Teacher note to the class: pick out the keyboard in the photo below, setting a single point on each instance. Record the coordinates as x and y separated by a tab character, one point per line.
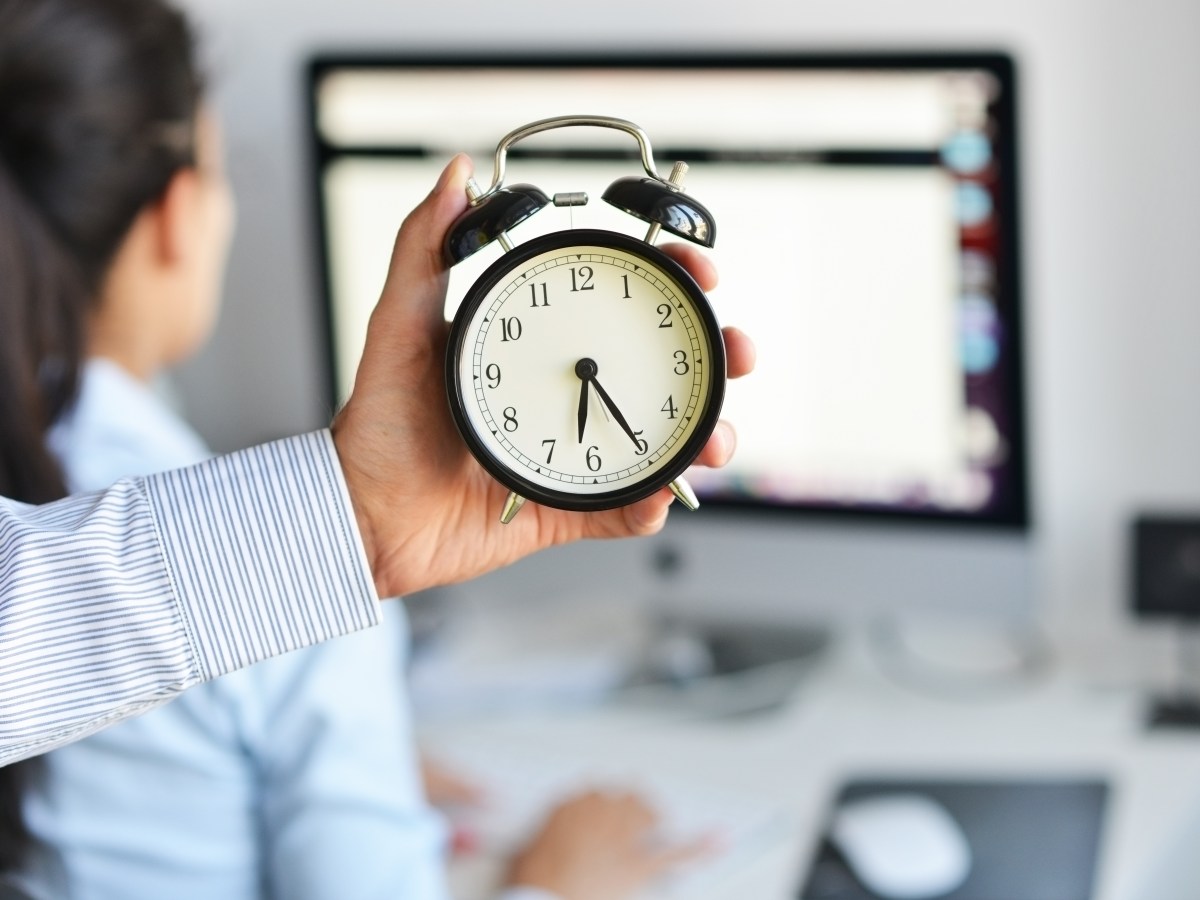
522	788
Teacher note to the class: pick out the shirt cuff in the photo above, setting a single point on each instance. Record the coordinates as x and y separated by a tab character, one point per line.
263	551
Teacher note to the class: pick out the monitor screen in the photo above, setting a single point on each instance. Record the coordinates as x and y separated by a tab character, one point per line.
866	240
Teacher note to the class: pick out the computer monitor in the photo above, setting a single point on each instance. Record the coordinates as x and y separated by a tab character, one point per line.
866	209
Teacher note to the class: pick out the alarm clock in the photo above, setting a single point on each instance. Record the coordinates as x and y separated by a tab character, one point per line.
585	368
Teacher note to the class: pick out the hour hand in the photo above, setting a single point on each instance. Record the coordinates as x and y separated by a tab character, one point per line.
586	370
583	405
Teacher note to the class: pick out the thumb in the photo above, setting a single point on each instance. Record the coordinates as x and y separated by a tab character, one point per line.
416	280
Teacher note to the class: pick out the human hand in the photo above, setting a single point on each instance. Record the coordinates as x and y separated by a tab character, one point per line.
598	846
427	511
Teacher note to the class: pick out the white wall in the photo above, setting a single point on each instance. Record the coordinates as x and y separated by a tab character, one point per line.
1111	127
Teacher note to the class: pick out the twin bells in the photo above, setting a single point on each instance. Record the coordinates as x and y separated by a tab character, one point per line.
652	198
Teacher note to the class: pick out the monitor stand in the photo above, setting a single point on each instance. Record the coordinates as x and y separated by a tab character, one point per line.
1181	708
722	668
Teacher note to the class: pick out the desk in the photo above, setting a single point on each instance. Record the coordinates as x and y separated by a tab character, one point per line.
847	719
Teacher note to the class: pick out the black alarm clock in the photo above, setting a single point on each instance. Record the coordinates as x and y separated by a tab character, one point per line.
585	368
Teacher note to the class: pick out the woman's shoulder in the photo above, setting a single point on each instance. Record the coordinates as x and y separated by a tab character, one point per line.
120	427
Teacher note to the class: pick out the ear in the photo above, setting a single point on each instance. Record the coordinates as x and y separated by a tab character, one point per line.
175	218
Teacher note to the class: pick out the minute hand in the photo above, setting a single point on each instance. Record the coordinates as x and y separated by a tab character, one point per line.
617	414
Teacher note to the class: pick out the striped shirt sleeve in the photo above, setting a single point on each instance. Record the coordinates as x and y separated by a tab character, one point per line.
113	602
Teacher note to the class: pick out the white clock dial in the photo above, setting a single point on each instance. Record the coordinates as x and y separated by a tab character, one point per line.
588	369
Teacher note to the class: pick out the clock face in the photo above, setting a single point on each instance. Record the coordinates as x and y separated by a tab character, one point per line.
585	369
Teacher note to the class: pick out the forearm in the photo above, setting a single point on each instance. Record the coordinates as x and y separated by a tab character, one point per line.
114	602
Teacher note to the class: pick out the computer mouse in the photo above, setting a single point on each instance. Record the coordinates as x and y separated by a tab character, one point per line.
901	846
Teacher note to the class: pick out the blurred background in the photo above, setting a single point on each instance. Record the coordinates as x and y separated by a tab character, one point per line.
1110	218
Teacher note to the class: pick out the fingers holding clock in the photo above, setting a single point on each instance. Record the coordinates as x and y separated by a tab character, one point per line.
698	265
740	354
739	362
719	448
739	349
414	295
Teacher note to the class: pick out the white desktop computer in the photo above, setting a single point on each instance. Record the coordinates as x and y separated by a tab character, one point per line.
867	239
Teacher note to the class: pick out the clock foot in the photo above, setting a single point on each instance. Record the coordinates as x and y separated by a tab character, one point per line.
512	506
684	494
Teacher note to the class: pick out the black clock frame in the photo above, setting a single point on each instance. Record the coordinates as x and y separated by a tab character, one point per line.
708	417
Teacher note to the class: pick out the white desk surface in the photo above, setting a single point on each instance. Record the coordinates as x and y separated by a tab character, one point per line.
846	719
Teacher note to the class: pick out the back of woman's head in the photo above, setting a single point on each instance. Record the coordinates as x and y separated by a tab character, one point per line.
98	103
97	108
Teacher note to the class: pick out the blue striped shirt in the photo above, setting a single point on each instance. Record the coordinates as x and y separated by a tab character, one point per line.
113	602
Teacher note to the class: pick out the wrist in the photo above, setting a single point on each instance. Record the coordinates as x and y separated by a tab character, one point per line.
359	492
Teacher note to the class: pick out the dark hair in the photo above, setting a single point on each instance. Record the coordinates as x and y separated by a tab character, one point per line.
98	103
